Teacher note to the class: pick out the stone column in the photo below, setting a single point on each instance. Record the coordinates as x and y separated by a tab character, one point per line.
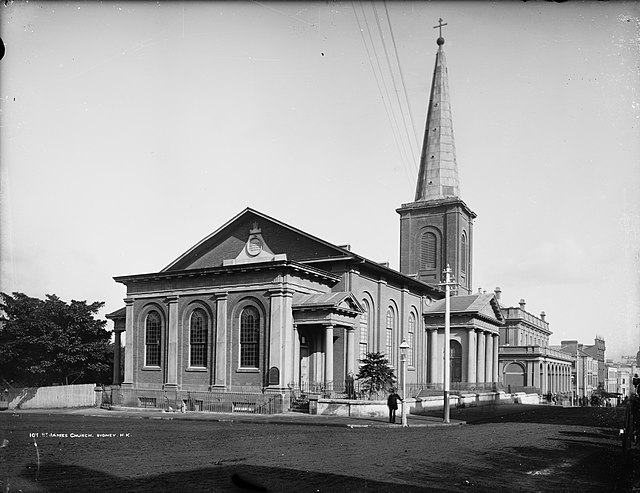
131	347
545	382
488	362
328	358
172	343
116	357
480	368
296	356
433	355
351	349
536	375
220	373
471	355
496	350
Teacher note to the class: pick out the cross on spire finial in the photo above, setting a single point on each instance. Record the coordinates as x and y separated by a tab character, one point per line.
440	40
439	26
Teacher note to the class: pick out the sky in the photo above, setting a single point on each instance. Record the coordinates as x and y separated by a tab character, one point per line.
130	131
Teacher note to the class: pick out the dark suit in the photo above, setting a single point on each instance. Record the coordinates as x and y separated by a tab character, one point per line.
392	404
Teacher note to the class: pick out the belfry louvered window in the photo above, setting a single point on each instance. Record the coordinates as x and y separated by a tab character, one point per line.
428	248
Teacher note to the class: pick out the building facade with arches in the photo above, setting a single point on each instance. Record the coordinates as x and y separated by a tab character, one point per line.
259	304
527	361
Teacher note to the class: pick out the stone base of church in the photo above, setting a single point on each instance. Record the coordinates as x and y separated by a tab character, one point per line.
172	399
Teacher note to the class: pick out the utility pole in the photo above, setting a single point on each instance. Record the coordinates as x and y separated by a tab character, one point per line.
448	282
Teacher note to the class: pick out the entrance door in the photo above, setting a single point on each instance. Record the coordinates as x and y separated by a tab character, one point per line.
304	368
514	377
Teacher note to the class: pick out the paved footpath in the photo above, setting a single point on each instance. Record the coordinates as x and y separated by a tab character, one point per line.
288	418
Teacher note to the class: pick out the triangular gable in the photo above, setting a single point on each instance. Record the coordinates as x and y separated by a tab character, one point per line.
228	242
334	300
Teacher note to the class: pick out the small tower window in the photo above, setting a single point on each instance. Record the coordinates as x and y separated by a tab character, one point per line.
464	253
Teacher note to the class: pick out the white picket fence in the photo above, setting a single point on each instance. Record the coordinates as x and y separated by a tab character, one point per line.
61	396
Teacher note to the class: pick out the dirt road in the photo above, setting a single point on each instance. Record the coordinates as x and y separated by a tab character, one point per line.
507	448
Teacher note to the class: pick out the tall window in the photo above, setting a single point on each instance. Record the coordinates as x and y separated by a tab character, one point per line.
199	329
391	321
464	253
364	330
411	339
153	334
249	338
428	249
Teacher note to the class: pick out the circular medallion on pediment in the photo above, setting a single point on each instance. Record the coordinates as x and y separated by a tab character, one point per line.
254	247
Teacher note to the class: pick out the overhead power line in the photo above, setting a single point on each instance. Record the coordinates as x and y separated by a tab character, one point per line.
381	84
393	81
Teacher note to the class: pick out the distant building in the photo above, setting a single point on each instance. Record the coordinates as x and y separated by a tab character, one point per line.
585	368
527	363
620	376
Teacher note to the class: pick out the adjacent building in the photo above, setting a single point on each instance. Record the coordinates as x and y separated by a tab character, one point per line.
527	362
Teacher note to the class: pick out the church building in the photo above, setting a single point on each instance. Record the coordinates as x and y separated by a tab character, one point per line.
260	304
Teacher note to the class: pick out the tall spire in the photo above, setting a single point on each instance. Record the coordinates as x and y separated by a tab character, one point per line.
438	175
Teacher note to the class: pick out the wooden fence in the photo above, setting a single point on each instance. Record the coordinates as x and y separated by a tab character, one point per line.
60	396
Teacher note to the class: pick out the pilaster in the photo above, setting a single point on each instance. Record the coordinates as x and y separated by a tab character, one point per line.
131	346
220	368
172	343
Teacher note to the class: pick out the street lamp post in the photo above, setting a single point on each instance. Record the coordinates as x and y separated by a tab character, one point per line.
448	282
403	364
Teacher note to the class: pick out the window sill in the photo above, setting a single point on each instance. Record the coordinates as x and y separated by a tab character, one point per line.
151	368
248	370
197	369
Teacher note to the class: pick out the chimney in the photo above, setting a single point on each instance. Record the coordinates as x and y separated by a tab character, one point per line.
522	304
498	292
542	315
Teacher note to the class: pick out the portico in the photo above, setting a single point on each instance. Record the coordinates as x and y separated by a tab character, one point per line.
475	323
324	339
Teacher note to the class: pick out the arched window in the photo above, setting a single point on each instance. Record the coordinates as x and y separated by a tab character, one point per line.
364	330
455	349
428	249
199	329
249	338
411	339
153	334
464	253
391	322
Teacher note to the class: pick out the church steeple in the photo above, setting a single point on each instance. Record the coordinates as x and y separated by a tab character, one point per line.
436	229
438	175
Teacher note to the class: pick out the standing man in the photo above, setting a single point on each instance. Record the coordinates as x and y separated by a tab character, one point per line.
392	404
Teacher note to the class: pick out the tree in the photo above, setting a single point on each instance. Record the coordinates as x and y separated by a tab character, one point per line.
375	374
45	342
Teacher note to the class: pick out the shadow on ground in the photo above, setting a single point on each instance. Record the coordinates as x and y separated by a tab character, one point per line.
599	417
232	478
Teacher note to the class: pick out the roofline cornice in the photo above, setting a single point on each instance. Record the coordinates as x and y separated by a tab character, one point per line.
224	269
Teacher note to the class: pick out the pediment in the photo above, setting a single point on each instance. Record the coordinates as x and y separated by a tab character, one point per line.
253	237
